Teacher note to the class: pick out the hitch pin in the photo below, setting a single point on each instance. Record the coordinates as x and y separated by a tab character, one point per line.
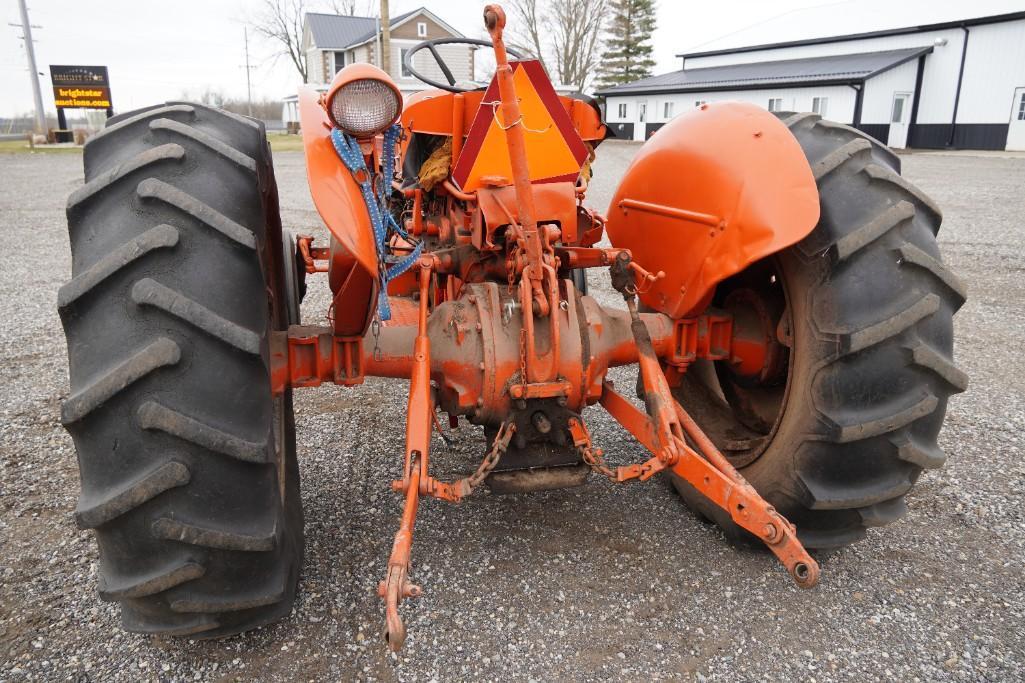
647	280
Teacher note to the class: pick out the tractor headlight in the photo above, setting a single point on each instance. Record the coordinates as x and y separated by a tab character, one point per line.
364	107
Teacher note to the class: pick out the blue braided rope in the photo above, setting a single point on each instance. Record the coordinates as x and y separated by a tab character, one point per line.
380	218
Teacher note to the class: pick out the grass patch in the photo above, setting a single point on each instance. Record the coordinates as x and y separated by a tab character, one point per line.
285	143
21	147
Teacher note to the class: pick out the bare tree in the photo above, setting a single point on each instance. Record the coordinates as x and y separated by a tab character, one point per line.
352	8
527	25
281	22
576	38
564	34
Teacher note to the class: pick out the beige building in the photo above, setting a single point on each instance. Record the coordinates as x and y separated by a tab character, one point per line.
332	41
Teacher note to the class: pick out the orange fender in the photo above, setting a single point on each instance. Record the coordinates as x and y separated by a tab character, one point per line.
353	264
713	191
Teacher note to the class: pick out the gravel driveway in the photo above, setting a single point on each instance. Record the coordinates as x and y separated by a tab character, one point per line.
594	583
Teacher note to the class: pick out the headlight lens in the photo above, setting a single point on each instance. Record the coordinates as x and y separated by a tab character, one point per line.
364	107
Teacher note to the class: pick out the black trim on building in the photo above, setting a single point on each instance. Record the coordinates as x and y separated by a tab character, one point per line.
623	131
650	129
960	81
964	136
979	21
859	99
770	85
916	100
880	131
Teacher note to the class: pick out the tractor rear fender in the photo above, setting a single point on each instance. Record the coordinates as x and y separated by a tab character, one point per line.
353	263
713	191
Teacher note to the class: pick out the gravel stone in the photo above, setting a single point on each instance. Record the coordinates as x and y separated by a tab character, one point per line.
594	583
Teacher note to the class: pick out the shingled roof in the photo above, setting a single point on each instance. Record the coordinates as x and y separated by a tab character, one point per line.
828	70
337	32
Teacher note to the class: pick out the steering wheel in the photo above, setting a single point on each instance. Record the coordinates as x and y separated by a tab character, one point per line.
431	45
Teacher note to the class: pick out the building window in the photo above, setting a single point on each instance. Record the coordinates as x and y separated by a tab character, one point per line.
1021	108
339	61
898	110
421	29
642	112
775	104
700	103
402	61
667	111
622	110
819	105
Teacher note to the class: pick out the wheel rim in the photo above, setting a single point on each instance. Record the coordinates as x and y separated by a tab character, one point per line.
744	403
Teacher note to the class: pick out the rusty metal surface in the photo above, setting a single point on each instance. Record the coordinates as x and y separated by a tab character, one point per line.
537	479
489	326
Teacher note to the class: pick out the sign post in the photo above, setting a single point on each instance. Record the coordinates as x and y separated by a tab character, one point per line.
79	87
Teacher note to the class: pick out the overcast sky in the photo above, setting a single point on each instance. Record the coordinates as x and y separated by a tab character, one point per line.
158	50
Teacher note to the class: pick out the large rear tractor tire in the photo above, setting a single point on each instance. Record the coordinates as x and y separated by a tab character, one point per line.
840	424
187	459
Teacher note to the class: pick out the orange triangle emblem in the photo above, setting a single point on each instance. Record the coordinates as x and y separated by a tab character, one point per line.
555	152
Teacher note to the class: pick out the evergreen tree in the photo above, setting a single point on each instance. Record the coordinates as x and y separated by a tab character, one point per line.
628	50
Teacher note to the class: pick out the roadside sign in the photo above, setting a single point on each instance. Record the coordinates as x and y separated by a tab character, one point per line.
80	87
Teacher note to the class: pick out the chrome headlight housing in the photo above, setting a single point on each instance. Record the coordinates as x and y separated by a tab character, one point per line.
364	107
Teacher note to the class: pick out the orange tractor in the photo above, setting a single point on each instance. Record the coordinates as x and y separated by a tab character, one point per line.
785	305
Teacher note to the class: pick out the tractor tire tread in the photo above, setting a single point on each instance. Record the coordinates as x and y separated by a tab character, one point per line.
183	532
890	327
162	579
147	292
168	316
877	367
210	142
160	237
157	354
914	256
179	625
893	211
872	230
273	593
839	157
158	417
152	188
91	514
95	187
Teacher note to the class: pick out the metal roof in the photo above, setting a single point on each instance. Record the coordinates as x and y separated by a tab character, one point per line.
857	19
811	71
337	32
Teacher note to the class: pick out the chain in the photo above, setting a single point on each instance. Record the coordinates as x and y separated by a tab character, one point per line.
595	459
490	461
375	329
523	356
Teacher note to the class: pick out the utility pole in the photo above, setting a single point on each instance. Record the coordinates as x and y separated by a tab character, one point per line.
30	52
385	38
249	84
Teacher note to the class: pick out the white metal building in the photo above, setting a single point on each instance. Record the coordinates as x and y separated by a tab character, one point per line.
957	81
